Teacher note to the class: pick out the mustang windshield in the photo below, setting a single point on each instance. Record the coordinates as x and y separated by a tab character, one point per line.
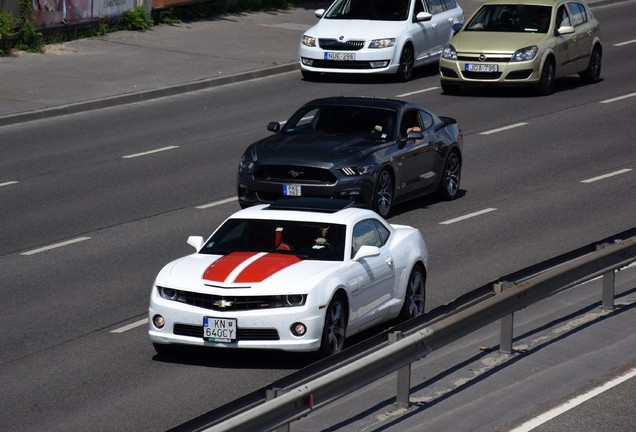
307	240
511	18
362	121
380	10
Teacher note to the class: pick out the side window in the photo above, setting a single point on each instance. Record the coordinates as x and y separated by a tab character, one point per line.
365	233
410	121
426	120
419	7
576	13
383	232
562	18
435	6
450	4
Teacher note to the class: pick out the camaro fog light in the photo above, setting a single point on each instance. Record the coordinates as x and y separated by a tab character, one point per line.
298	329
158	321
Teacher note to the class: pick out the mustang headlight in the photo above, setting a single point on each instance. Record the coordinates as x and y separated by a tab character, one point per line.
525	54
382	43
310	41
449	52
355	171
248	161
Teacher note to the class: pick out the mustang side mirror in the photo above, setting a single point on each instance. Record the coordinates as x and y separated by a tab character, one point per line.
273	126
196	242
366	251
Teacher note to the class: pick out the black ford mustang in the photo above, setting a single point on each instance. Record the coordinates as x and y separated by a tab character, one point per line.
377	152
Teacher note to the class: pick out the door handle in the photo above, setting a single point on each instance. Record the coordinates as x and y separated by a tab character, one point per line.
389	262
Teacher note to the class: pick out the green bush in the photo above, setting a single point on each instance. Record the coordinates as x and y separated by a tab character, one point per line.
136	19
29	39
7	24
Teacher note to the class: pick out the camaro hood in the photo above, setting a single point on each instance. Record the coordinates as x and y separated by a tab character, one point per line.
493	42
314	150
356	29
240	270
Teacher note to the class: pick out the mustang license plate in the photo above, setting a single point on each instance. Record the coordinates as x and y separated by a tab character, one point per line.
219	329
469	67
292	190
340	56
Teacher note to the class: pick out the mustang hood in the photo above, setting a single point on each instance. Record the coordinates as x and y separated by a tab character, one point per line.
356	29
493	42
314	150
238	269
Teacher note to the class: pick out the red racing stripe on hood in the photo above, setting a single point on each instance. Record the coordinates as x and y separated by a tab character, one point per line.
220	269
265	266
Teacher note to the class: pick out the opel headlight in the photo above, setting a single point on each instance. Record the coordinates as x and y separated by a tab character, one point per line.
310	41
382	43
525	54
449	52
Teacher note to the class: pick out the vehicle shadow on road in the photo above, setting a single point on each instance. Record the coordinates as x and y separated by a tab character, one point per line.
561	85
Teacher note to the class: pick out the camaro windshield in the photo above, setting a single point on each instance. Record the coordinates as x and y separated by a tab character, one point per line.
366	122
307	240
378	10
514	18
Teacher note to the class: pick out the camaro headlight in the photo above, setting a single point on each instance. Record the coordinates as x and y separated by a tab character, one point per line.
361	170
449	52
525	54
382	43
308	40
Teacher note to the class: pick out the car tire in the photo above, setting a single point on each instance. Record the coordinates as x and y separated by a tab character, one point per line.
546	82
407	60
383	194
451	177
592	74
335	328
310	76
451	89
415	296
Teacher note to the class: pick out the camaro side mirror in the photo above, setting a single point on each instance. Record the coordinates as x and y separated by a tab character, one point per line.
366	251
196	242
273	127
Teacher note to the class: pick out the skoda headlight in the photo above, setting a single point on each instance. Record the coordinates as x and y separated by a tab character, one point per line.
525	54
382	43
449	52
308	40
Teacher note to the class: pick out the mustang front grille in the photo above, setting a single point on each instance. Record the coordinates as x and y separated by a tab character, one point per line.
295	174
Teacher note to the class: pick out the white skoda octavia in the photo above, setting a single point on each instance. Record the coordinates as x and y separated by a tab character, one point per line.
300	274
378	36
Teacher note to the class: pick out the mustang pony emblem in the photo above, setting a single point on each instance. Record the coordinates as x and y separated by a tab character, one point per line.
295	174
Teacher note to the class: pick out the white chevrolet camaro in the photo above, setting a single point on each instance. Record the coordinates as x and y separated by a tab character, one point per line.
300	274
378	36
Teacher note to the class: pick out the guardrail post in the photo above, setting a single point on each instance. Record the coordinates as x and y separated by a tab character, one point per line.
506	323
272	393
609	284
403	396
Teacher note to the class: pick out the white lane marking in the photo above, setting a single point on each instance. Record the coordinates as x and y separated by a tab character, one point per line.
54	246
618	98
8	183
604	176
574	402
417	91
131	326
505	128
149	152
217	203
620	44
468	216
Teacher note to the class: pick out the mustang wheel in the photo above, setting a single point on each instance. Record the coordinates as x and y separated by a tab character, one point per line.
546	84
415	295
333	333
407	59
451	177
592	74
383	195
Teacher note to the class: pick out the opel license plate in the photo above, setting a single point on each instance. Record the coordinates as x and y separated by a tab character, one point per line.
219	329
292	190
469	67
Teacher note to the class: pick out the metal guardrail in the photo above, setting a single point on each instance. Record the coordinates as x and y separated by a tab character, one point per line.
283	406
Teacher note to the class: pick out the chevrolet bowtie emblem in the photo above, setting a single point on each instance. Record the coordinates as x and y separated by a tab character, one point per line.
222	303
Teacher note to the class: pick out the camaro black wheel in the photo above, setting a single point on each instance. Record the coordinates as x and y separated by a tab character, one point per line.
415	295
592	74
334	331
546	83
451	177
383	196
407	60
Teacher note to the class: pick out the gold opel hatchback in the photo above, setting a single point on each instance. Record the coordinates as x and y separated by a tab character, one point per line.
527	42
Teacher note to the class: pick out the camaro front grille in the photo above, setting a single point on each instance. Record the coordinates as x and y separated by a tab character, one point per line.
235	303
335	45
295	174
241	333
